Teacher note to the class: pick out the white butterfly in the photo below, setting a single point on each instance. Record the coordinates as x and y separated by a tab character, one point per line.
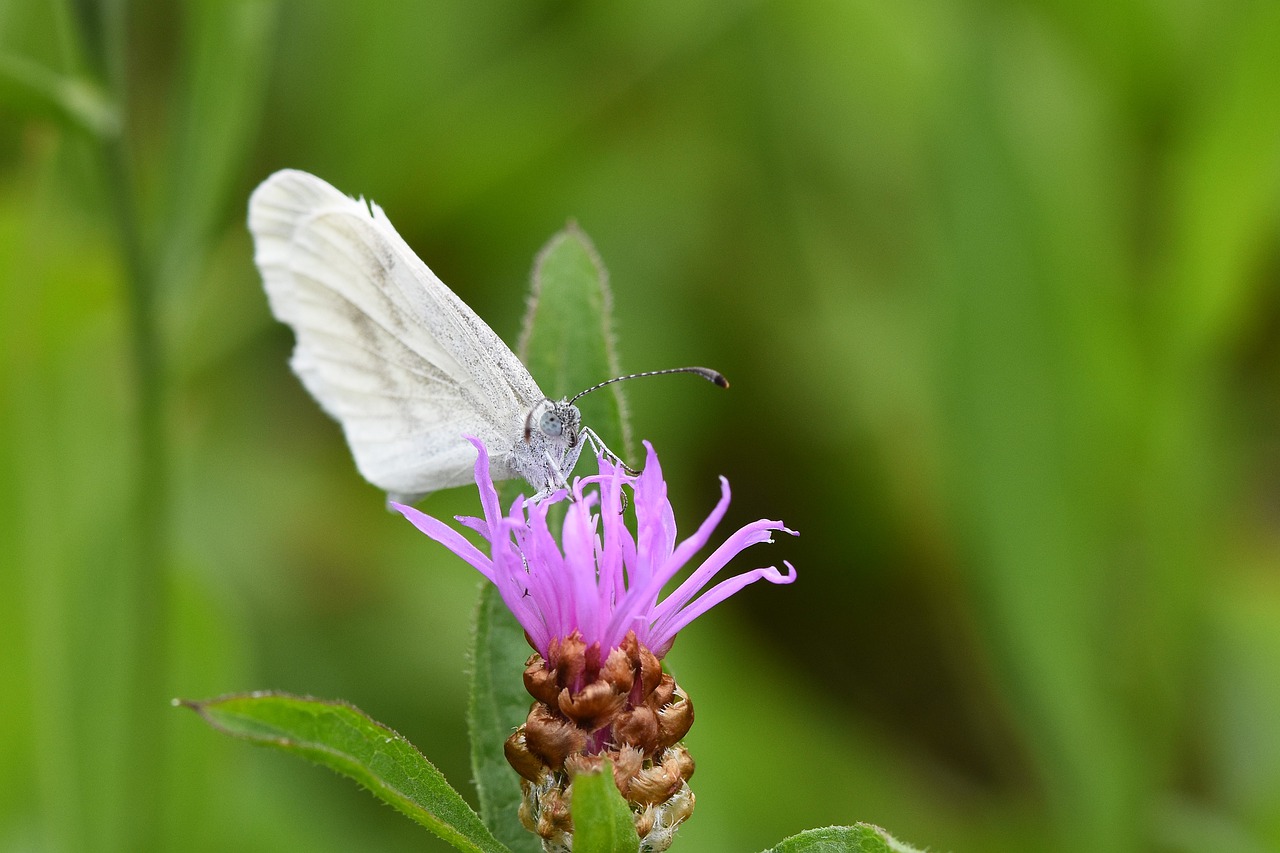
395	357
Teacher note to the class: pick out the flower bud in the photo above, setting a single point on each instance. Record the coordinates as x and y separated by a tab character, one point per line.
625	710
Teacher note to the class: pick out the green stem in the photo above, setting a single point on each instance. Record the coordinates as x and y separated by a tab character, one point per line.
102	33
149	584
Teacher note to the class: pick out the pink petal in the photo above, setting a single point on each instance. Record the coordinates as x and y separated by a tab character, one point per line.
449	538
753	534
664	633
484	482
642	594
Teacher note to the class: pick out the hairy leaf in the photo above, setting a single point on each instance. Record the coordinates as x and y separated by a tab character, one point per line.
602	821
859	838
567	341
344	739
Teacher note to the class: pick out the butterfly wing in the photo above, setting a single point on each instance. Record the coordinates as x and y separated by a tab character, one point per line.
386	348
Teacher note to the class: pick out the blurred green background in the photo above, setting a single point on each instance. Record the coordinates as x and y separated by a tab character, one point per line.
996	286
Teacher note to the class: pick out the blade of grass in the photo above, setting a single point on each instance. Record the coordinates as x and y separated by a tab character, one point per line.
76	103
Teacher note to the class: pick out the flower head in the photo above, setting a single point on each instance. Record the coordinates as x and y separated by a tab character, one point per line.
601	581
591	604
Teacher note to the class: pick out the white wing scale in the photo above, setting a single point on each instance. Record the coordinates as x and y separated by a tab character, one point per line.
385	347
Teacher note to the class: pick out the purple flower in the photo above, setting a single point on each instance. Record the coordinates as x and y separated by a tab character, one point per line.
591	606
600	580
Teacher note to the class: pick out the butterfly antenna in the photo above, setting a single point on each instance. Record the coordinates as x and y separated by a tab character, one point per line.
706	373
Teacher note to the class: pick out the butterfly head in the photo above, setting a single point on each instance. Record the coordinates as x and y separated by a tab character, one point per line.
550	446
553	424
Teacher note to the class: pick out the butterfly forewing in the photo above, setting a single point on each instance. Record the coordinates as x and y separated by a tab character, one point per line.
384	346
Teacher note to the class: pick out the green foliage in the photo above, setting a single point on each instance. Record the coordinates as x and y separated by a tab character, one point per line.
78	103
217	115
602	821
996	287
498	704
343	738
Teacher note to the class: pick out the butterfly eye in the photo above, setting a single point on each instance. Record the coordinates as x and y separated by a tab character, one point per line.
551	425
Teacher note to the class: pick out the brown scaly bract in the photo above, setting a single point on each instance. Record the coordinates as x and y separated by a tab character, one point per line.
624	709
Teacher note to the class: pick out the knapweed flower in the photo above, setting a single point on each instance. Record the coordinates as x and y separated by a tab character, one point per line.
591	606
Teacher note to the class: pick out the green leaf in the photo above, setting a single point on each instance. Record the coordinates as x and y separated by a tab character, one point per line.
499	704
567	345
859	838
567	341
602	822
344	739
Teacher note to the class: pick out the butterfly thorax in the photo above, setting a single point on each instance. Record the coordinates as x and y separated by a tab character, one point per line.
548	449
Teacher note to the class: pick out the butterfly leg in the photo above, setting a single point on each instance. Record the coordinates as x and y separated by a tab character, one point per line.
555	479
602	449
